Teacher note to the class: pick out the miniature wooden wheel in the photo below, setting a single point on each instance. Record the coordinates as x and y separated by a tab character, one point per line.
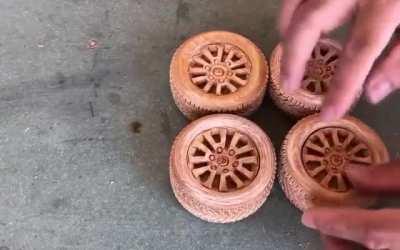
223	159
318	75
218	72
222	168
313	174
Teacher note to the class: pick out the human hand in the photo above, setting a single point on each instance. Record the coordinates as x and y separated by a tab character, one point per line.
344	228
302	22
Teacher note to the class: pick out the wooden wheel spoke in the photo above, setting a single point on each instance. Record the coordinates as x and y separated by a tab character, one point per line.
243	149
223	186
317	170
242	71
357	148
335	137
230	86
210	180
323	139
200	61
199	79
219	53
358	159
210	139
326	180
308	158
230	55
208	86
223	133
219	89
245	172
315	147
329	55
238	80
248	160
197	70
197	172
348	139
341	183
235	139
239	183
202	148
317	51
306	82
208	54
318	87
198	159
238	63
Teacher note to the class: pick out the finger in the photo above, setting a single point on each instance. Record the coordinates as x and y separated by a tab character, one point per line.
377	229
311	19
383	179
372	31
332	243
385	78
287	9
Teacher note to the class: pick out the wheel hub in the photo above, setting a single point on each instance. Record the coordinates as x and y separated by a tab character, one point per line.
220	69
326	153
223	159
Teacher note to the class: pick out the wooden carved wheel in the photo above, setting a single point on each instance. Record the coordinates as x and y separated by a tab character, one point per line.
218	72
318	75
222	168
313	174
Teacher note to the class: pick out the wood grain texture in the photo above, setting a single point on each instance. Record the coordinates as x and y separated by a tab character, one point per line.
212	205
194	101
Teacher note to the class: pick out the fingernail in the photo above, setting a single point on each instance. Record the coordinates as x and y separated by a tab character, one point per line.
308	220
379	92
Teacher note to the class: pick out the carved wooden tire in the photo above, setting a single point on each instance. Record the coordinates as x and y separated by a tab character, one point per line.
222	168
218	72
314	155
320	69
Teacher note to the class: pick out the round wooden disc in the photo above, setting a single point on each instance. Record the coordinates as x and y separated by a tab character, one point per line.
222	168
314	155
320	68
218	72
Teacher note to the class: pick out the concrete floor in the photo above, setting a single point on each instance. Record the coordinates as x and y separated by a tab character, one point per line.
85	133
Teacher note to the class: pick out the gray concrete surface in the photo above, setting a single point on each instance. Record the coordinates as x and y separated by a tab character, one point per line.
85	133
